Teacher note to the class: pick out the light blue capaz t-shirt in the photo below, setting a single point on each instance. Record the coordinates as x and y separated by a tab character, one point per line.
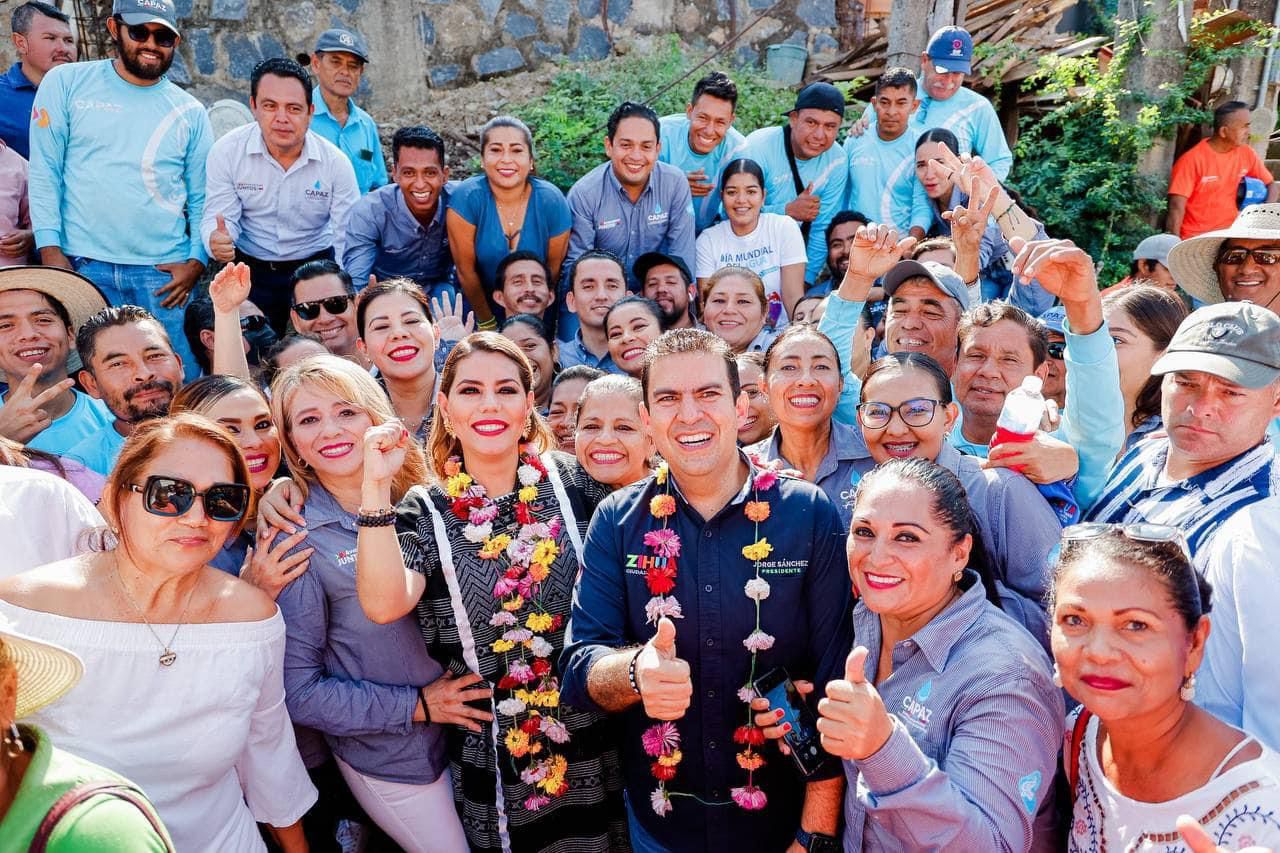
676	151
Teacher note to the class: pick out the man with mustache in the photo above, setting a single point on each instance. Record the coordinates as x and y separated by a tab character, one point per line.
130	365
42	39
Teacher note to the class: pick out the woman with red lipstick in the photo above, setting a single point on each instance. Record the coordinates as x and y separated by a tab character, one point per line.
946	717
491	551
1130	619
610	442
759	421
631	324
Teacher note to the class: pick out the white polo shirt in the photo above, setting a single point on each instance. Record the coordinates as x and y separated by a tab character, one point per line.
275	214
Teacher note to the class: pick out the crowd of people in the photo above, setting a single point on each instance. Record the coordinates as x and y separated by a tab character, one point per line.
364	509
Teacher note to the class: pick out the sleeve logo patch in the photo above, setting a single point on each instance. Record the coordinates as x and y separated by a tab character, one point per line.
1028	788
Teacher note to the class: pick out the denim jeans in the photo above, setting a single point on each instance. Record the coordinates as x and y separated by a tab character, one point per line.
129	284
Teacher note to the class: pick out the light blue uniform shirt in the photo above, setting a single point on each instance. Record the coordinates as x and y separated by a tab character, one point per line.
882	177
765	147
837	473
970	117
87	416
117	170
358	139
677	152
99	450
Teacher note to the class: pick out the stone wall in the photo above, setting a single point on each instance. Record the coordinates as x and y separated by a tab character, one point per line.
418	45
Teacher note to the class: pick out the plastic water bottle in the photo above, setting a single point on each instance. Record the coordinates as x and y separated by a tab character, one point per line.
1020	417
775	310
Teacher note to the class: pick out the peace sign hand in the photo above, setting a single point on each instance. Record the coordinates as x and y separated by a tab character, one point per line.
969	221
852	718
22	417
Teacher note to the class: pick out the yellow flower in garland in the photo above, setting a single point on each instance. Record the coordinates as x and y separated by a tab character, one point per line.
538	572
457	484
517	743
660	474
758	551
538	622
545	552
557	768
527	494
660	506
671	760
514	604
757	511
500	646
539	698
494	546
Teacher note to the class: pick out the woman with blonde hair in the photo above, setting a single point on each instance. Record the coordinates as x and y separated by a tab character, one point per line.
361	689
488	553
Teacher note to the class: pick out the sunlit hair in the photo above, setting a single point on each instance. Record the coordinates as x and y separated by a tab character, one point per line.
757	284
612	383
351	384
149	440
441	445
399	284
203	394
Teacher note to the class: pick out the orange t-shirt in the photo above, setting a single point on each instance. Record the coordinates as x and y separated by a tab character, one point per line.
1209	181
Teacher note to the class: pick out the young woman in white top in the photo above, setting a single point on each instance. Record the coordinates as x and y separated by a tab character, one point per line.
183	689
1130	618
768	244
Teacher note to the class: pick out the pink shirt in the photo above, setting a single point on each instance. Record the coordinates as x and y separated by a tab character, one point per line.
14	214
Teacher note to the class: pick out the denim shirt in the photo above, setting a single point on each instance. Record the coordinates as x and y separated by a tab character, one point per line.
977	725
806	611
838	472
347	677
385	239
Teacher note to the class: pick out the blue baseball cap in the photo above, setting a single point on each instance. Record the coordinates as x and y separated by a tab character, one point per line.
1054	318
951	48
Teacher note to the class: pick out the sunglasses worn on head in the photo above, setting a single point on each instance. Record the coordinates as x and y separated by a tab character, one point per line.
1261	257
1057	349
164	36
335	305
1139	532
172	497
253	323
914	413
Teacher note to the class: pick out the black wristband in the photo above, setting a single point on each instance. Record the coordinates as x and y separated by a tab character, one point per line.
631	671
426	709
376	518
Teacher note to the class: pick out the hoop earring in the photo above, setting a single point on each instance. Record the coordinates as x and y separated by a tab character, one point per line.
1188	689
957	576
13	745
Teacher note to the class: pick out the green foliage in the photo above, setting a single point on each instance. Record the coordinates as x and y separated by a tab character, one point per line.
568	121
1078	165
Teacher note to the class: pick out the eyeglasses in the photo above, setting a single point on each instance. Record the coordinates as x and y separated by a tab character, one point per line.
914	413
1057	349
1261	257
253	323
335	305
172	497
1138	531
164	36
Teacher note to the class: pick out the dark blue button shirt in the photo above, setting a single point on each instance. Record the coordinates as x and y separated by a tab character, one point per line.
17	94
385	239
807	611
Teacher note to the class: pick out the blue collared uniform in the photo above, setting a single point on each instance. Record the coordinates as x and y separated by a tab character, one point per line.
881	177
970	117
16	96
358	139
677	152
385	239
837	474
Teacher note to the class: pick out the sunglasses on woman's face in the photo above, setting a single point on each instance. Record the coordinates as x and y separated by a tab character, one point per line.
334	305
171	497
139	33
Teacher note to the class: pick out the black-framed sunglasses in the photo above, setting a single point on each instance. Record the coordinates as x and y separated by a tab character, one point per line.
335	305
1057	349
139	33
1261	257
172	497
916	412
1138	531
253	323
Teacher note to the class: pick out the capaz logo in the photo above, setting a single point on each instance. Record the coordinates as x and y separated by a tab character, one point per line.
913	707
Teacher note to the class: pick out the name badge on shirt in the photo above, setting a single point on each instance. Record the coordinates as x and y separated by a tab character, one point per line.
914	712
317	192
658	217
345	557
606	224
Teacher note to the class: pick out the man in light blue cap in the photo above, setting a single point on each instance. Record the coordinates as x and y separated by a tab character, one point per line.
1055	377
338	62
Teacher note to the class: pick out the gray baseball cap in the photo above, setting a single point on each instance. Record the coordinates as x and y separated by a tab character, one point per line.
1155	248
1235	341
338	40
943	278
138	12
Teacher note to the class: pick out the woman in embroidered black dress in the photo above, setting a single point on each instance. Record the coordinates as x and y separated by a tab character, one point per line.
488	552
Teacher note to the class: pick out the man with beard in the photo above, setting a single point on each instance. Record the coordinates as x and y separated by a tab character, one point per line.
522	285
118	169
42	38
666	280
840	233
130	365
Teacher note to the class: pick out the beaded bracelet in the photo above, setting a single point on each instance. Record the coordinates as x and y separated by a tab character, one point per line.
376	518
631	671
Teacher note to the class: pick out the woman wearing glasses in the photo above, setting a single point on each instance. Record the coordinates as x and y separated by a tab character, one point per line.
182	691
361	689
906	410
1130	620
802	379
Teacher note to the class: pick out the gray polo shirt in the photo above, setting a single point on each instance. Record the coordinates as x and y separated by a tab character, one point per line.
838	472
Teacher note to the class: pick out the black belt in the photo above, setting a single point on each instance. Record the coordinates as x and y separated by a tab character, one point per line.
284	266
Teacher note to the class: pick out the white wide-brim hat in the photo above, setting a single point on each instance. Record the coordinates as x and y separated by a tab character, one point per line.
45	671
1191	261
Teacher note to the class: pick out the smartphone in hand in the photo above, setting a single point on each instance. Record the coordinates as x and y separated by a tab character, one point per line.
803	739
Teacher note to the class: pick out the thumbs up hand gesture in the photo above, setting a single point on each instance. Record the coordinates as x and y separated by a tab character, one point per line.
804	207
852	718
221	247
663	679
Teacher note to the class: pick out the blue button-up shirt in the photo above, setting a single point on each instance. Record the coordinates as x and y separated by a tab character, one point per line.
17	94
806	611
838	472
358	139
574	352
355	681
977	725
385	239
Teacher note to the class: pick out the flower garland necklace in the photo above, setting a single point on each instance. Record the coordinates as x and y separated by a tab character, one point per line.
661	741
532	691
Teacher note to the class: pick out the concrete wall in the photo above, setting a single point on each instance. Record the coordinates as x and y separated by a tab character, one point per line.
418	45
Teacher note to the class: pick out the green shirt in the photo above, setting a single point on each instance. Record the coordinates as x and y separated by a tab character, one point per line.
103	824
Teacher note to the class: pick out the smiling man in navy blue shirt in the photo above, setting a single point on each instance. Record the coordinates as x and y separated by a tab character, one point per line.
692	669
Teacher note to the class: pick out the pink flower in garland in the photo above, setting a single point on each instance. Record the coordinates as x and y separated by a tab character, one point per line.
555	730
664	542
520	671
536	802
749	797
764	480
758	641
484	514
662	605
660	801
660	739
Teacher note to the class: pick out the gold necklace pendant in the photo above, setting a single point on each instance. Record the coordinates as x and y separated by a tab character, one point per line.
168	658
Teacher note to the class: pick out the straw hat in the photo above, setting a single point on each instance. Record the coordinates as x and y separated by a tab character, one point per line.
1191	261
77	294
45	671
